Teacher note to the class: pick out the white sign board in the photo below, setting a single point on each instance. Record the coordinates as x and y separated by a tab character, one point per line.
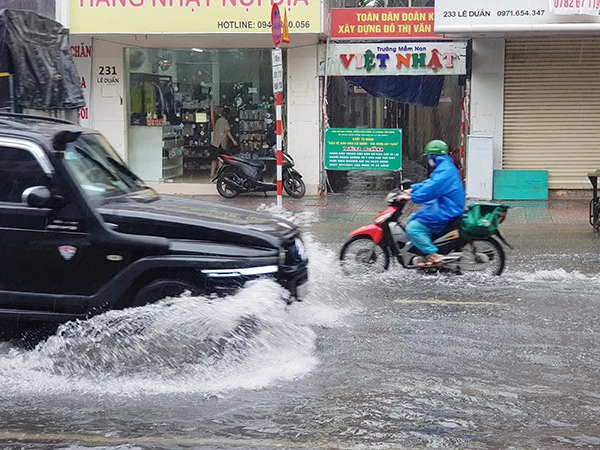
277	61
574	7
394	58
277	79
480	167
479	16
81	51
277	57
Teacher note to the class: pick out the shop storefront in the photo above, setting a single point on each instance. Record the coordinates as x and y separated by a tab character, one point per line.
415	84
161	79
173	109
534	88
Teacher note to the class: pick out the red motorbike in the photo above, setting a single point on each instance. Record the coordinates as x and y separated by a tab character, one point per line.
371	247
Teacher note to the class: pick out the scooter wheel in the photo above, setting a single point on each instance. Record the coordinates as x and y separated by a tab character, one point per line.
361	256
223	188
485	256
294	186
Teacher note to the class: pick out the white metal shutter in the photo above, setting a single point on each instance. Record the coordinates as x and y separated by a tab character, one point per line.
552	108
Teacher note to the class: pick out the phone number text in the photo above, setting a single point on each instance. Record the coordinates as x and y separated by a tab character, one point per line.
521	12
261	24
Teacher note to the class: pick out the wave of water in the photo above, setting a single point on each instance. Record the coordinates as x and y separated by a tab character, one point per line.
558	275
192	344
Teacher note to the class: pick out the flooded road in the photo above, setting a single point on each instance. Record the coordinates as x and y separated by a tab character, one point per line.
400	360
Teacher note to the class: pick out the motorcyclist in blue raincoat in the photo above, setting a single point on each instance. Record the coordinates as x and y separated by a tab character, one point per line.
443	198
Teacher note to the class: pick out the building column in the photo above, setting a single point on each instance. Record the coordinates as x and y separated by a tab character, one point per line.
302	99
487	93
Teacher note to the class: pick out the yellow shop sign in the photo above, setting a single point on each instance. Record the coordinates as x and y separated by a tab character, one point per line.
191	16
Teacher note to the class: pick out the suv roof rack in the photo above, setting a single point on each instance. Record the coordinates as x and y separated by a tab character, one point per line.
32	116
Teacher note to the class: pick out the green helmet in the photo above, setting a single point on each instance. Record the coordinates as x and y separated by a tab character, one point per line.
436	148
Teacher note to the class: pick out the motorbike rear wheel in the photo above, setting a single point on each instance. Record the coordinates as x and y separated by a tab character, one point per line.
485	256
294	185
361	256
223	188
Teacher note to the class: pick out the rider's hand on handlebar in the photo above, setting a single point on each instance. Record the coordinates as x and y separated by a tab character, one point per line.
403	196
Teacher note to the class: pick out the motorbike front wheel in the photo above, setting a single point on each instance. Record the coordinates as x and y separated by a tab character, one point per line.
361	256
223	187
294	185
485	256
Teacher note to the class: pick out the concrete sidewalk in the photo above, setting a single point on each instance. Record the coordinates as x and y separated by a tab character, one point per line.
362	208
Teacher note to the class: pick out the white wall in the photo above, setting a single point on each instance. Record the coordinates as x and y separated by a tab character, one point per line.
145	152
108	98
302	98
487	93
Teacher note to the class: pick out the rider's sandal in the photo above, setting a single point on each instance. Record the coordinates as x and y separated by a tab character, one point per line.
430	262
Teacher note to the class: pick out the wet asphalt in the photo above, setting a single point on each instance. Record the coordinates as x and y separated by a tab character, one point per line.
399	360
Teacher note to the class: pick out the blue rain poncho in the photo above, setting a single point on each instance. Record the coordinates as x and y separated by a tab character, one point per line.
442	195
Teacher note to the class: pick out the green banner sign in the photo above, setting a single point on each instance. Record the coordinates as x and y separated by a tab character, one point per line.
363	149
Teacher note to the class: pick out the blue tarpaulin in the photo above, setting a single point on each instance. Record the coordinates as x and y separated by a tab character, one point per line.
413	90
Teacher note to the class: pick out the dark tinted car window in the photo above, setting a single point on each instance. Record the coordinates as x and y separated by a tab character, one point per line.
18	171
98	168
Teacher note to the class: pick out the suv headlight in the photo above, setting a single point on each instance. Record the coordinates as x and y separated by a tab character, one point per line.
300	249
292	252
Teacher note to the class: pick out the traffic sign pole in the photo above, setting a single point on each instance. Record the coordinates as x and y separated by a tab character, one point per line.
277	63
279	126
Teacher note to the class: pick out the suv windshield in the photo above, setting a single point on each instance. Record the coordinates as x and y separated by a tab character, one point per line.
98	168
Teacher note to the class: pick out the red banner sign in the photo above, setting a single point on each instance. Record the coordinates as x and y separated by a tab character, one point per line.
382	23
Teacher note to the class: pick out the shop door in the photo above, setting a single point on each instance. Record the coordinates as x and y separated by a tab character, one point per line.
552	108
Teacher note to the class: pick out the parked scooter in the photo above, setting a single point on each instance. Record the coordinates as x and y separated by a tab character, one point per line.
469	243
241	175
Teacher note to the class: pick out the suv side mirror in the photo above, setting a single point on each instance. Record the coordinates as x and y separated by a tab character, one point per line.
38	197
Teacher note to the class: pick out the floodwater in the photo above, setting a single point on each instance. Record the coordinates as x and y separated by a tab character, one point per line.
399	360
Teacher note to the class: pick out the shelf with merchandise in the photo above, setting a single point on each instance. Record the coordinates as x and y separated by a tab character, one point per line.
195	152
254	126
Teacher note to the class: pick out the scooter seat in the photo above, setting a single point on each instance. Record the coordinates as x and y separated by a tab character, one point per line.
452	225
251	162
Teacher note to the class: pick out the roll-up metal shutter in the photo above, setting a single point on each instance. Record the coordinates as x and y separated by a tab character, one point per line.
552	108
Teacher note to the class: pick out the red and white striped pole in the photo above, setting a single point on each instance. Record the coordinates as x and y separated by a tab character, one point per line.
278	101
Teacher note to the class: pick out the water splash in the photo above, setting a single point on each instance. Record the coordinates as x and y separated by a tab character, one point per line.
328	303
555	275
303	218
193	344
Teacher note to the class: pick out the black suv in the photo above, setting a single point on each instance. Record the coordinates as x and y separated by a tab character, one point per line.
80	233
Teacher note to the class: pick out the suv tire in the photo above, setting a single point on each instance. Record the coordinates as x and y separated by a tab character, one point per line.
161	289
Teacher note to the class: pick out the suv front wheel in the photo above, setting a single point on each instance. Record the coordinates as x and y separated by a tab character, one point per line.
161	289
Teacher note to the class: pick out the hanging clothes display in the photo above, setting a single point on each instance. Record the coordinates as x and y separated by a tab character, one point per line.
143	99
